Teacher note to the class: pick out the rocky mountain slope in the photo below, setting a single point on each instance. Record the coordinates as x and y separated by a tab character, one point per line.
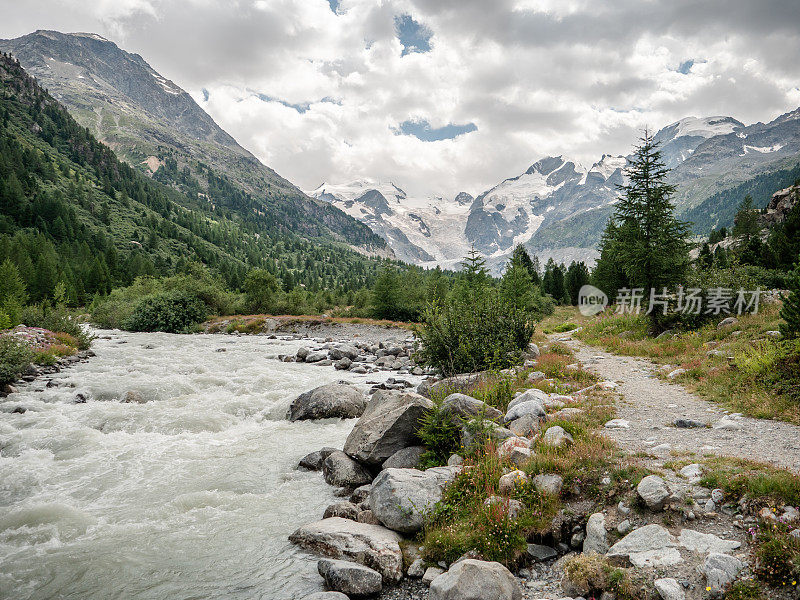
559	208
155	126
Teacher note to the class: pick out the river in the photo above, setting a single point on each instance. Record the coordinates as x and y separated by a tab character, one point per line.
190	495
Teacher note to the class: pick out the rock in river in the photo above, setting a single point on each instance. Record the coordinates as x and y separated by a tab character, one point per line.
342	471
333	400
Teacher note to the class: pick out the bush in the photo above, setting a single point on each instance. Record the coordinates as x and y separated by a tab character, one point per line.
440	436
174	312
14	357
745	590
757	359
476	334
57	320
5	320
777	555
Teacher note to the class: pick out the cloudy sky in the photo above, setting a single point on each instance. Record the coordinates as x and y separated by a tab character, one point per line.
447	95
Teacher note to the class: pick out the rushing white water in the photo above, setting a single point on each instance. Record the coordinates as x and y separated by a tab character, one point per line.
191	495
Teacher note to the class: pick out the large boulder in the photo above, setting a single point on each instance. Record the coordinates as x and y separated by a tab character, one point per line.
313	461
326	596
333	400
720	570
596	541
357	581
556	436
653	492
400	498
389	423
528	395
370	545
531	407
343	351
406	458
471	579
342	471
648	546
464	408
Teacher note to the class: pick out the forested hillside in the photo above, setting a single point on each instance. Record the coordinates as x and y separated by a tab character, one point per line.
75	218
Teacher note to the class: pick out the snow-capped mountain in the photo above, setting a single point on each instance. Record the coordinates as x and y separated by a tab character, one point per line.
427	231
558	207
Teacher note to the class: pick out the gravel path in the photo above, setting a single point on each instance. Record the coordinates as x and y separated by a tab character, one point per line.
652	405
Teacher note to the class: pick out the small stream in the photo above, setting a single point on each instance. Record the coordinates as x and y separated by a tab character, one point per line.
190	495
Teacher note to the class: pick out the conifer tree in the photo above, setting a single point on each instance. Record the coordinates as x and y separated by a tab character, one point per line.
647	242
790	311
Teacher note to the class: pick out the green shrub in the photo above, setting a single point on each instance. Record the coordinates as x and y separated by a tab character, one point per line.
745	590
757	359
14	357
777	555
564	327
5	320
440	435
57	320
475	334
173	312
495	390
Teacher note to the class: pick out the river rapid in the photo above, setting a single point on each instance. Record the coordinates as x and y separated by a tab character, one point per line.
190	495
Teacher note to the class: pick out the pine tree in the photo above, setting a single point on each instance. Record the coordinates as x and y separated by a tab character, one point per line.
790	311
473	268
647	241
705	259
521	258
746	220
577	276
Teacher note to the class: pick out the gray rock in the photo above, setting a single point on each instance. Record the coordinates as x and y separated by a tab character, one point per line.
704	543
316	356
416	569
510	481
648	546
476	580
388	424
513	508
450	385
133	397
370	545
405	458
464	407
346	510
525	426
693	472
617	424
357	581
333	400
344	351
534	394
342	471
367	516
530	407
302	353
360	494
549	484
669	589
533	350
720	571
455	460
430	574
596	541
313	461
653	491
326	596
556	436
727	321
688	424
540	553
343	364
470	436
624	527
400	498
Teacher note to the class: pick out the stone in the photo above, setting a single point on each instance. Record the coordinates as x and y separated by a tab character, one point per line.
717	495
346	510
704	543
548	484
727	423
313	461
316	356
388	424
622	509
693	473
596	541
617	424
405	458
669	589
455	460
727	321
720	571
367	516
541	553
370	545
430	574
341	351
352	579
532	394
133	397
417	569
510	481
301	354
505	449
653	492
343	364
624	527
556	436
535	376
471	579
566	414
790	514
648	546
450	385
463	408
333	400
513	508
400	498
471	435
525	426
533	350
326	596
531	407
360	494
676	373
688	424
342	471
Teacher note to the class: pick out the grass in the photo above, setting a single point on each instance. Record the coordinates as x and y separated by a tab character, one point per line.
592	574
735	365
758	481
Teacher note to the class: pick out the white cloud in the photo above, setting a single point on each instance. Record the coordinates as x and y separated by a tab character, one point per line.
536	77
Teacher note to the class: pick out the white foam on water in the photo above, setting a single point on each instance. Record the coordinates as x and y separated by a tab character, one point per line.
190	495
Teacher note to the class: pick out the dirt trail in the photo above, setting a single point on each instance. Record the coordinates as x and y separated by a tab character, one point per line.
652	405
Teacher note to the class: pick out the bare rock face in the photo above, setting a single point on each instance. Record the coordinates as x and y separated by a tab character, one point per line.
648	546
370	545
334	400
389	424
400	498
471	579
